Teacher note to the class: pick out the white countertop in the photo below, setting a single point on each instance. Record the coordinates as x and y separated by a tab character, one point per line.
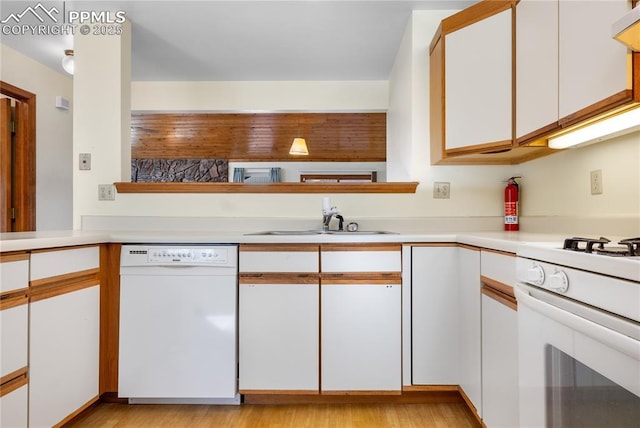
532	245
21	241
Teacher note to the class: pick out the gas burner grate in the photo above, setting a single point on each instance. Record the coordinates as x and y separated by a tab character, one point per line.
633	245
628	247
576	244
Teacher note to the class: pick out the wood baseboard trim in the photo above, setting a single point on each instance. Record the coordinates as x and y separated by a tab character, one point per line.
471	407
405	397
78	414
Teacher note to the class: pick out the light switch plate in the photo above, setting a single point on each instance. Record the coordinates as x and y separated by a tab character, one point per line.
106	192
441	190
596	182
84	161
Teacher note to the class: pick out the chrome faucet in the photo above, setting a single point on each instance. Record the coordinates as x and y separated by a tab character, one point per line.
327	215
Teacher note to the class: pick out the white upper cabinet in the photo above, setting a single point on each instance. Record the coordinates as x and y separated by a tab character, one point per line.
593	66
536	65
478	77
568	67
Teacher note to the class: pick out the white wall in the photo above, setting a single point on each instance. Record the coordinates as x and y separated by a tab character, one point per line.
476	191
559	185
54	143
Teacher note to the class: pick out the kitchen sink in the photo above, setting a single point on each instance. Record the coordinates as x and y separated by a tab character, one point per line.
321	232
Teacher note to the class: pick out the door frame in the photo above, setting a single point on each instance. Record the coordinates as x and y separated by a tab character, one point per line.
25	159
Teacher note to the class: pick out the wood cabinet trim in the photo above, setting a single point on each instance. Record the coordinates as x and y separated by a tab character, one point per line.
109	316
361	247
46	288
279	391
436	244
498	286
14	298
485	148
468	247
14	257
362	278
278	278
359	392
284	187
503	253
311	248
13	381
475	13
500	297
74	247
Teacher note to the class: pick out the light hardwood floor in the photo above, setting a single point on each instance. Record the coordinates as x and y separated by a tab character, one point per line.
443	415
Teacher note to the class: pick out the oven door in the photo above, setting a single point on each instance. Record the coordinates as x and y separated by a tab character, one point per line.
579	367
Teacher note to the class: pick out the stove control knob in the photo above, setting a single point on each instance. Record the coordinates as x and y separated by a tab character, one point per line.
535	274
558	281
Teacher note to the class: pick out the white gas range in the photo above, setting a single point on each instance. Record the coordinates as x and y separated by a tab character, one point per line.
579	333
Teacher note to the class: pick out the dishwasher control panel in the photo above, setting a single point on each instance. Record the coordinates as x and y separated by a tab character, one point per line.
182	255
160	255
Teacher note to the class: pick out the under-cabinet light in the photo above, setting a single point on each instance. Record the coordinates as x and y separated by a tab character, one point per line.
614	126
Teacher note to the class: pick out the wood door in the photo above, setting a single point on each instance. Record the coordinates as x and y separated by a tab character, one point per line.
23	158
6	165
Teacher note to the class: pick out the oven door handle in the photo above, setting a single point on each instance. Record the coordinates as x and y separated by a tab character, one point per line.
598	325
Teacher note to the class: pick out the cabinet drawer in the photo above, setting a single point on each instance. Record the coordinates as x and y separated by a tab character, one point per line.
500	267
279	258
53	263
14	272
365	258
13	341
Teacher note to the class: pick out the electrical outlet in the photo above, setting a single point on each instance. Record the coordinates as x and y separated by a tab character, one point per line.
106	192
441	190
84	161
596	182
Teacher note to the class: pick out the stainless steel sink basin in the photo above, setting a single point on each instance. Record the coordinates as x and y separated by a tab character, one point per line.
322	232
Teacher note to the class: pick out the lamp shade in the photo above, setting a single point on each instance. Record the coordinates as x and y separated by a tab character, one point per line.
68	62
299	147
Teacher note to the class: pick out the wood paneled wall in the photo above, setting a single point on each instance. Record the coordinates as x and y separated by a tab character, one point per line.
331	137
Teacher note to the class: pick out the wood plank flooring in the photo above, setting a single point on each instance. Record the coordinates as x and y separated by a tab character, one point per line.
441	415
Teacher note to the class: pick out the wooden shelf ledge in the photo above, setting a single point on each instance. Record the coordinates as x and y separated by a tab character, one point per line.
395	187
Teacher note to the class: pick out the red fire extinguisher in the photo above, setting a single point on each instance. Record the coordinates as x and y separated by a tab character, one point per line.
511	205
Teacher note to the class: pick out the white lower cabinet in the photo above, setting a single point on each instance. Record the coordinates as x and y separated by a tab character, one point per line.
361	337
64	334
470	346
64	355
279	336
435	314
499	364
14	334
13	408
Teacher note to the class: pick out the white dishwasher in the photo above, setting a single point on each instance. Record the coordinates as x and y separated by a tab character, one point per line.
178	324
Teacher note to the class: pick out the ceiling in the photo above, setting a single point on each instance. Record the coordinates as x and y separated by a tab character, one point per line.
245	40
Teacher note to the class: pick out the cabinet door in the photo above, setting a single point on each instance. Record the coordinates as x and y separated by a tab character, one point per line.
13	408
536	65
593	66
470	370
499	364
64	353
435	316
361	337
478	76
14	324
279	336
64	333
